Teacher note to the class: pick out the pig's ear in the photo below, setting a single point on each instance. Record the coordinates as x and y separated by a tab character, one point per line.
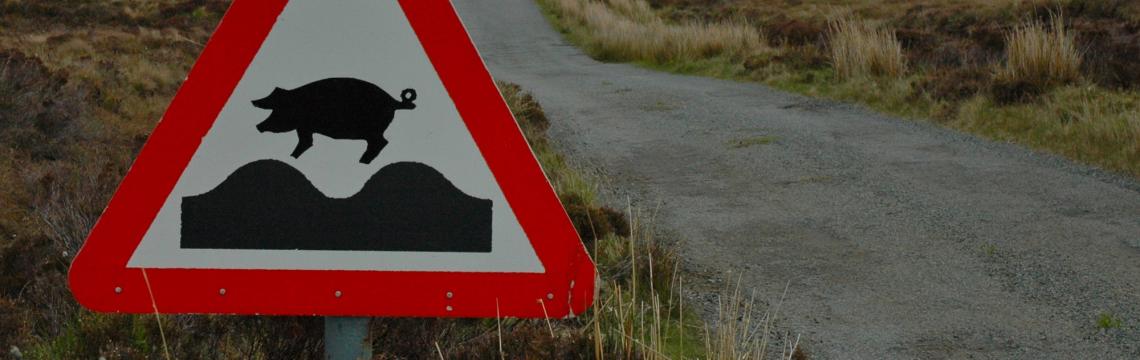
274	98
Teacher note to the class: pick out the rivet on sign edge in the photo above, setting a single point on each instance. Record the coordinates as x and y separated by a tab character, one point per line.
118	290
549	296
337	293
222	291
450	295
449	308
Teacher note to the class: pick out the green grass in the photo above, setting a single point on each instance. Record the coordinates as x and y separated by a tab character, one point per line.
752	141
1108	321
990	249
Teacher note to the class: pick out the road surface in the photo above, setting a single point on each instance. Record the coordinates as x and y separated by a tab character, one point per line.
897	239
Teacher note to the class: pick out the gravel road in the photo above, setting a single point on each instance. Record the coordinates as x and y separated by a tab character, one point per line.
896	239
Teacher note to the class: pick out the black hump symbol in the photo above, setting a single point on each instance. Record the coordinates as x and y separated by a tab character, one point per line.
340	108
269	205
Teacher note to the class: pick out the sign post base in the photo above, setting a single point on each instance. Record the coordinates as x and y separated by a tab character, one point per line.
346	338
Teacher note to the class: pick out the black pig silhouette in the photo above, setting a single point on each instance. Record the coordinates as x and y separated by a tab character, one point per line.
340	108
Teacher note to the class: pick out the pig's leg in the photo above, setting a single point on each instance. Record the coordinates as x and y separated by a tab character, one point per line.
373	150
304	142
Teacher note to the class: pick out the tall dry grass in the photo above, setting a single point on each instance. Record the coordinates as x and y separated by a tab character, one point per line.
860	49
1042	54
642	312
629	30
737	334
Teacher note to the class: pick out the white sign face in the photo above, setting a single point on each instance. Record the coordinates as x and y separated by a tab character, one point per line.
334	206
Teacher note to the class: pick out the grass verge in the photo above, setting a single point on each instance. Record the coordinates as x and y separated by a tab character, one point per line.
971	67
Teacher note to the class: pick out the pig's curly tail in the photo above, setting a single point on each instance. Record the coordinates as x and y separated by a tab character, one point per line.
408	95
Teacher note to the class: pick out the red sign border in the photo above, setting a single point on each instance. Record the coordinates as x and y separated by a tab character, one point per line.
101	281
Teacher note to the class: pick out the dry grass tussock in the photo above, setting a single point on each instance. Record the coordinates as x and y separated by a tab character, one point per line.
642	312
1039	55
739	335
859	48
629	30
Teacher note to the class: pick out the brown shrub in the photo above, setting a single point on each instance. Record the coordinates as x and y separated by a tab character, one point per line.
800	353
67	199
1107	9
528	113
797	32
954	84
916	40
529	340
18	263
188	12
1116	52
617	220
11	323
246	337
40	111
1006	90
990	37
476	339
122	12
757	62
594	222
45	295
803	57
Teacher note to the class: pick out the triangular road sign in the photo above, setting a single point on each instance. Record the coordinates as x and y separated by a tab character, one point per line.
336	158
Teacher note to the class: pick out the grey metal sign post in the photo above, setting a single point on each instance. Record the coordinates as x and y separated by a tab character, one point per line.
346	338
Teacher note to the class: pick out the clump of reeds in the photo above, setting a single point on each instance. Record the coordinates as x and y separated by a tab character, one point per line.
1039	56
860	49
629	30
